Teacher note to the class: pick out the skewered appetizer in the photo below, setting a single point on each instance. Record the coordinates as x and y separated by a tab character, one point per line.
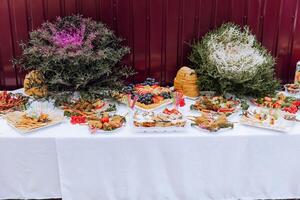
211	122
218	104
280	101
86	108
149	94
167	118
11	102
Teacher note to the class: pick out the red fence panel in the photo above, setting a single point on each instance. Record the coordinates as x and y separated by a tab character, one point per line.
157	31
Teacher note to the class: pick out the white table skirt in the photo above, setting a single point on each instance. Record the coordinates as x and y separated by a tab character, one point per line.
67	161
28	165
236	165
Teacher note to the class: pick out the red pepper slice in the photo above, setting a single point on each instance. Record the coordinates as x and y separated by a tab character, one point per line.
78	119
226	110
296	103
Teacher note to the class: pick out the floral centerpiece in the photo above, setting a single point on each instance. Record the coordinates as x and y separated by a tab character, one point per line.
76	54
231	60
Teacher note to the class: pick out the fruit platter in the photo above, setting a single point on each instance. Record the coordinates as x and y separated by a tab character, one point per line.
12	102
280	101
148	95
167	120
82	107
104	122
267	118
25	122
211	122
215	104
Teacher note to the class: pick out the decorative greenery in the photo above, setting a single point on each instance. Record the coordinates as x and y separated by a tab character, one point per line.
231	60
76	54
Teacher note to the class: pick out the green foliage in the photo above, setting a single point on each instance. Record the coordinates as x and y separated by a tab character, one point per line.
76	54
231	60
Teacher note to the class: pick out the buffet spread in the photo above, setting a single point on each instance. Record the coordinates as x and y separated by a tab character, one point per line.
153	108
78	83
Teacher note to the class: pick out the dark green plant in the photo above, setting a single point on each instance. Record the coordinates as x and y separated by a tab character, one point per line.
231	60
76	54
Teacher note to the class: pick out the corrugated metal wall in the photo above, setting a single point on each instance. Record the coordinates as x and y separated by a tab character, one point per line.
158	31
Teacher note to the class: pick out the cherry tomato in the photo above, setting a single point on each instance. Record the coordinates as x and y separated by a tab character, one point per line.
104	119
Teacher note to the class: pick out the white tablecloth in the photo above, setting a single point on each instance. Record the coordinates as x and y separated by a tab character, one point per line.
67	161
244	163
28	165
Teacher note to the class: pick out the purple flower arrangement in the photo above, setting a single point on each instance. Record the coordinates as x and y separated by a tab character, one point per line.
76	54
69	37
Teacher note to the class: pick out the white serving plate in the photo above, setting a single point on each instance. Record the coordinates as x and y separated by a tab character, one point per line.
282	126
57	120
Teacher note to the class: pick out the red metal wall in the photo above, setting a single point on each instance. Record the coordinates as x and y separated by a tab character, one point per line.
158	31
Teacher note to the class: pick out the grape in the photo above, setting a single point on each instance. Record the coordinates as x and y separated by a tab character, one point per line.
145	98
166	95
149	81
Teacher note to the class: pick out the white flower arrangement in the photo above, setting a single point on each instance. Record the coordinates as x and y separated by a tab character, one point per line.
230	59
234	56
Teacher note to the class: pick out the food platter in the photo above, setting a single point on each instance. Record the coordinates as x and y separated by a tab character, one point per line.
211	122
146	96
87	108
280	101
25	123
12	101
216	104
169	120
100	123
267	119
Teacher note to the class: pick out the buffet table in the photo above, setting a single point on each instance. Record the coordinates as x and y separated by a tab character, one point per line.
67	161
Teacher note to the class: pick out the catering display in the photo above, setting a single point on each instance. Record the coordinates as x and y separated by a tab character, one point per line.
211	121
267	118
25	122
75	63
280	101
167	120
186	82
11	102
218	104
149	95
